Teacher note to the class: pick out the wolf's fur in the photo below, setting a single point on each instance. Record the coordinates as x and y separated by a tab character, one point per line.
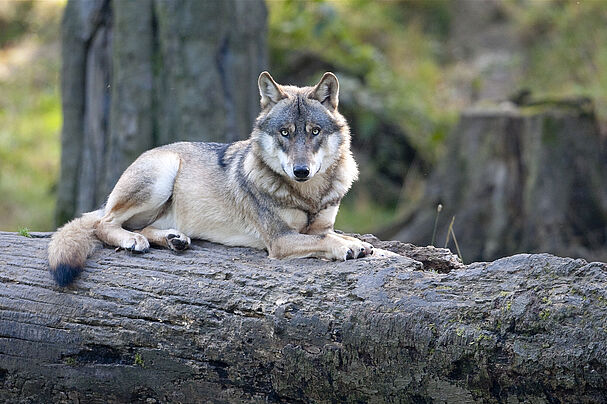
279	190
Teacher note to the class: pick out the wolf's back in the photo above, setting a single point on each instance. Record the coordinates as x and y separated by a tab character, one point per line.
70	246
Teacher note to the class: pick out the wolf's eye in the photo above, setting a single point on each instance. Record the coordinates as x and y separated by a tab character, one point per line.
315	131
284	132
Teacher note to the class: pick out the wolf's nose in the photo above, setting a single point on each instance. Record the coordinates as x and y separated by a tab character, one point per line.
301	172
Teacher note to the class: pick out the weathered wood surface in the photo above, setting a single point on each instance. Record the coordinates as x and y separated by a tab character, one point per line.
223	324
142	73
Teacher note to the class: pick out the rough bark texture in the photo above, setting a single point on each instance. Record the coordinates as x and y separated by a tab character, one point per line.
518	179
142	73
230	325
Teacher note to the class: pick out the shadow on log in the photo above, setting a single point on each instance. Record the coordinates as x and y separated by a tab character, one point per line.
230	325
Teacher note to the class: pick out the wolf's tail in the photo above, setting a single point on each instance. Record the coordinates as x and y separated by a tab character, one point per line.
70	246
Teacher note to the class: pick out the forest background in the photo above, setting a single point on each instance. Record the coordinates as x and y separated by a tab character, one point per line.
407	70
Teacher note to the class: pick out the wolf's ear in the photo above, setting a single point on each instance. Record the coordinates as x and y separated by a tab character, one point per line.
269	90
327	91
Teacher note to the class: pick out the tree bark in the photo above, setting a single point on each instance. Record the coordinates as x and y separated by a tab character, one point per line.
142	73
224	324
518	179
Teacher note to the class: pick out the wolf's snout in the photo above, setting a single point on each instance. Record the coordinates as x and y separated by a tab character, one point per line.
301	172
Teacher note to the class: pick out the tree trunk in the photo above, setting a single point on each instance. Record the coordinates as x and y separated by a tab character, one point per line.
227	324
142	73
528	179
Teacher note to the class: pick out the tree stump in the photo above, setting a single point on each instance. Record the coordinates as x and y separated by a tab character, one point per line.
220	324
518	179
141	73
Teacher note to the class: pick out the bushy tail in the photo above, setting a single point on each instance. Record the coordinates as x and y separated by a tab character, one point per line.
70	246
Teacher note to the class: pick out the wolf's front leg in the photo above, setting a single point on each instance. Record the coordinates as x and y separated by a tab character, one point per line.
329	246
323	226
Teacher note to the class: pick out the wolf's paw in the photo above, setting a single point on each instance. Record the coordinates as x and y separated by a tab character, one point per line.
350	248
177	241
136	244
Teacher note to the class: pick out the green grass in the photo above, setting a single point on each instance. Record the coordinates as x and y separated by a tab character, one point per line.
24	231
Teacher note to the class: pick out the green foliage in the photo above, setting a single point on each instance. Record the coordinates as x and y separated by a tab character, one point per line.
30	121
395	67
24	231
390	57
564	41
14	20
395	49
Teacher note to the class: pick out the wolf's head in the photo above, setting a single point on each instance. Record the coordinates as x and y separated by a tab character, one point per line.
299	131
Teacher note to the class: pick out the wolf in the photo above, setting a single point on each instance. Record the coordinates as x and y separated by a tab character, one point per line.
279	190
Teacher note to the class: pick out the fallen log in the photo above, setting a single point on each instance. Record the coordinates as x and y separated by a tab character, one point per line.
226	324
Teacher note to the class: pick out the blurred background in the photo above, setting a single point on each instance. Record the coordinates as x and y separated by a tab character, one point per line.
493	110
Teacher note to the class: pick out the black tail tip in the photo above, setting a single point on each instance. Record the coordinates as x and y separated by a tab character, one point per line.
64	274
